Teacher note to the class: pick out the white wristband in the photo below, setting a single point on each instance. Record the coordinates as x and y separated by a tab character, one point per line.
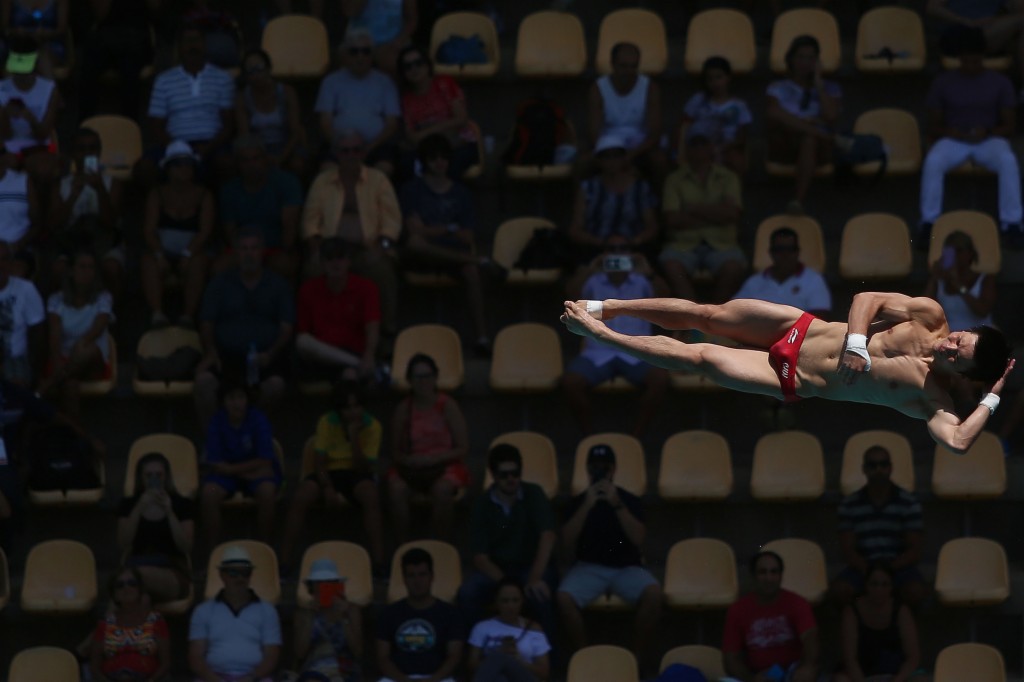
991	401
595	308
858	343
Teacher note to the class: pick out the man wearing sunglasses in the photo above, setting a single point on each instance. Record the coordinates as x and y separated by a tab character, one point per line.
787	280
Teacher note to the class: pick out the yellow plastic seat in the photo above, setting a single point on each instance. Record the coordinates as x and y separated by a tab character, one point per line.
860	257
104	386
807	21
447	570
60	578
972	572
700	573
179	451
438	341
707	659
266	581
808	230
353	563
982	230
902	137
980	474
238	499
894	28
696	466
970	661
549	173
540	460
82	497
630	466
48	663
721	32
603	662
788	466
550	44
297	45
466	24
805	571
160	343
993	63
510	239
527	358
5	580
643	28
121	138
788	170
852	477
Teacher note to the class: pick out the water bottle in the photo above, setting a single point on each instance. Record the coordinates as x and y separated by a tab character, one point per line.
252	366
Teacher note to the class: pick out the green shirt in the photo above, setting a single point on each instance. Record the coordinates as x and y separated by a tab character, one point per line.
510	537
683	188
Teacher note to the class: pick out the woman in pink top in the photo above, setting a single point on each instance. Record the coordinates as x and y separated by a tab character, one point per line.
430	443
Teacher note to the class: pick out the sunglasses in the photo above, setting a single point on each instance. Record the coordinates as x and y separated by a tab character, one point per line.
413	63
877	465
364	51
237	572
128	582
508	473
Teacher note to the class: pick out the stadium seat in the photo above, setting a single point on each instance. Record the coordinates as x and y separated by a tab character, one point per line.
972	572
178	450
707	659
807	21
721	33
787	170
297	45
48	663
805	571
696	466
447	570
60	579
353	563
160	343
105	385
643	28
80	497
603	662
466	25
540	461
121	138
982	230
852	477
630	466
700	573
969	661
550	44
896	29
901	135
438	341
980	474
266	581
510	239
527	358
240	500
993	63
788	467
860	258
812	242
5	580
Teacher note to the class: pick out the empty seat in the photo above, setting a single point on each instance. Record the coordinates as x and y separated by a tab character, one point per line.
804	571
788	466
121	138
696	466
297	45
797	22
510	239
447	570
890	40
48	663
540	461
266	580
859	256
980	474
603	662
180	453
60	578
106	383
527	358
550	44
643	28
812	242
707	659
982	230
969	661
353	563
972	572
700	573
852	477
721	33
162	343
438	341
466	25
901	135
630	467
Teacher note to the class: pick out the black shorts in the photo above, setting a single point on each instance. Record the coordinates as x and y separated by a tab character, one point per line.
345	481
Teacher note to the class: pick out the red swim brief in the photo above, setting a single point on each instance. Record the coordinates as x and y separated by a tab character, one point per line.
784	355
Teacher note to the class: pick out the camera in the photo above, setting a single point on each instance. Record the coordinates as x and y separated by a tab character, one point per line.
618	264
91	164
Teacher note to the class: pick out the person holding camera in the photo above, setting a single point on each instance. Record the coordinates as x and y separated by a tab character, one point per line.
606	530
328	635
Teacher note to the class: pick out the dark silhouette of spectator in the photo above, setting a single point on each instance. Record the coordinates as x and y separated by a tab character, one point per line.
132	640
120	39
967	297
29	105
22	334
269	109
718	115
787	280
328	638
509	646
390	23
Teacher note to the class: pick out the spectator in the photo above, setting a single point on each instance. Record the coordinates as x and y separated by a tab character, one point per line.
972	113
155	529
623	274
702	207
22	335
236	635
770	633
430	443
269	109
787	280
329	636
627	106
879	636
346	450
221	32
177	225
967	297
509	647
391	24
718	115
132	641
28	117
359	98
19	215
512	537
1001	23
605	531
881	522
419	636
239	457
44	21
265	197
802	114
245	325
120	39
357	204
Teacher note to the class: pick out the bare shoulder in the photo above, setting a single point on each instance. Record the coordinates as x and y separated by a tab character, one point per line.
927	311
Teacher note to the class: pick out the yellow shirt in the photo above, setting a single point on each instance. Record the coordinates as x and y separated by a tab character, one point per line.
683	187
379	213
331	440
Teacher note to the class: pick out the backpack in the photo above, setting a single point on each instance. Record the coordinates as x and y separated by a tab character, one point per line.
461	50
60	459
547	248
540	128
854	149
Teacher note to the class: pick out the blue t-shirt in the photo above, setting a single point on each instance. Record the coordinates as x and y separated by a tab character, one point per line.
454	206
360	104
263	208
231	445
243	316
419	638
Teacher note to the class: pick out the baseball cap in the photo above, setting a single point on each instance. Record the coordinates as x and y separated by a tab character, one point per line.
323	569
179	149
606	142
235	556
601	453
22	62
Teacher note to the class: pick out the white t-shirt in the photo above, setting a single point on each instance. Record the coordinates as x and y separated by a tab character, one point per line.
718	121
14	218
37	101
805	290
791	95
75	322
598	287
488	635
21	307
88	202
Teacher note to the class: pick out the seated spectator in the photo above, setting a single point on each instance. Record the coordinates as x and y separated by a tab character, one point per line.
391	24
246	324
879	636
346	451
329	636
220	31
1001	23
269	109
627	105
718	115
430	443
770	633
419	636
605	531
967	297
19	216
623	274
155	529
509	646
265	197
44	21
22	335
132	641
881	522
359	98
802	114
434	105
120	39
236	635
702	205
79	319
176	228
972	113
512	538
29	105
616	201
239	457
787	280
439	226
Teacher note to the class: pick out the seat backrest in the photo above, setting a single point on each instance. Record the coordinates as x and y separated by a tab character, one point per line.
970	661
353	562
550	43
441	343
643	28
707	659
721	32
695	465
603	662
48	663
526	356
808	230
266	581
972	571
894	28
978	474
982	230
860	257
805	571
178	450
899	131
806	21
297	45
901	454
159	343
630	467
447	570
540	460
701	567
788	465
60	577
121	138
512	237
465	25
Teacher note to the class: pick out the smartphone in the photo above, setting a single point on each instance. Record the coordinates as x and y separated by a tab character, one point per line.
618	264
327	592
91	164
948	257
